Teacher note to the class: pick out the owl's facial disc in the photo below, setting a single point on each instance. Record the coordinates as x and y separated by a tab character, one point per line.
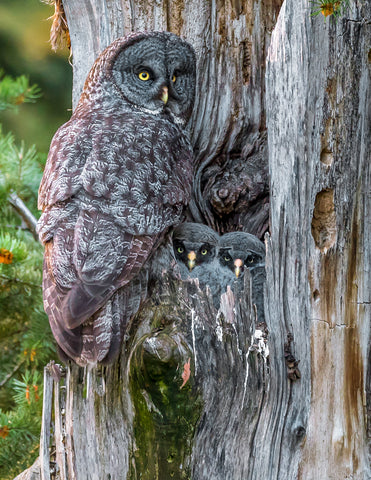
157	74
237	260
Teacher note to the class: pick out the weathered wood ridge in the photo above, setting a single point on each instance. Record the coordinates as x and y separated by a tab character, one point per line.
247	411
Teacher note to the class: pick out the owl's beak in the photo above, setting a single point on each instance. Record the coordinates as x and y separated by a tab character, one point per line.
165	95
191	260
238	264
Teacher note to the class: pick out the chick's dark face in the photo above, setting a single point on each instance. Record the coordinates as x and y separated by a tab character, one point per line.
193	254
236	261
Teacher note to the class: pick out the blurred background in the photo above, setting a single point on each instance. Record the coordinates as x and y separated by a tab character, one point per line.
25	50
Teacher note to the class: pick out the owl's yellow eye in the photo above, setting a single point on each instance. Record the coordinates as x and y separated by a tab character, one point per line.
227	259
180	250
144	76
203	251
173	78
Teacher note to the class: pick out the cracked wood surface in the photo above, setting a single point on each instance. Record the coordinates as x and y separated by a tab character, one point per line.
303	413
318	118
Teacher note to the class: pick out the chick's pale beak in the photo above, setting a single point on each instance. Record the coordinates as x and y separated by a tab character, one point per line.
238	263
165	95
191	260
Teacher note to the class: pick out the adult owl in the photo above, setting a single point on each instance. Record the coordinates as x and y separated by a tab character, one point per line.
238	251
196	252
118	175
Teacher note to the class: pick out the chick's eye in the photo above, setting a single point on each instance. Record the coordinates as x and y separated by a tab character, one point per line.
227	258
144	76
203	251
173	78
180	250
250	259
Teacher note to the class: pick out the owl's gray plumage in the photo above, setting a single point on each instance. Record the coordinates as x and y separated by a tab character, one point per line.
118	175
238	251
195	249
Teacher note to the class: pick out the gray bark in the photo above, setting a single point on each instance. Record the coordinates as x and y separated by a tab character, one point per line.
249	410
318	118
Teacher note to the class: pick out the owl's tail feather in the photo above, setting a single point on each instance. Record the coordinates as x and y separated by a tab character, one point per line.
83	301
68	340
125	304
103	333
110	348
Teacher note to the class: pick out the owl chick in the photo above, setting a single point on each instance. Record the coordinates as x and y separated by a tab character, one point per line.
195	249
118	175
238	251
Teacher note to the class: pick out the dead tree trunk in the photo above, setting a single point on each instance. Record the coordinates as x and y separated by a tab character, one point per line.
246	411
318	111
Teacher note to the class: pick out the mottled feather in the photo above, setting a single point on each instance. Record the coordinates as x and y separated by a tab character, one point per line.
118	175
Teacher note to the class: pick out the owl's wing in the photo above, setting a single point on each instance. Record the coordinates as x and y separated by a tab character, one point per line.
69	149
97	293
106	258
88	317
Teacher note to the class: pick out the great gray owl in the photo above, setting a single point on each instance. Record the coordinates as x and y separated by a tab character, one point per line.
118	175
238	251
195	249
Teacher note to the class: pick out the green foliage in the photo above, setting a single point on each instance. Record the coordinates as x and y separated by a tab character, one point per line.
26	343
14	92
20	170
328	8
20	427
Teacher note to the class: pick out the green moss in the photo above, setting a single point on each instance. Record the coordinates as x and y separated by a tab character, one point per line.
165	413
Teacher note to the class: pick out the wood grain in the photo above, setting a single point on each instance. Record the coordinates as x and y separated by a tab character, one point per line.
288	138
317	79
46	425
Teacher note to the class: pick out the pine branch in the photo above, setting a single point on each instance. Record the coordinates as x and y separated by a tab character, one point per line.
18	280
10	374
22	210
15	91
